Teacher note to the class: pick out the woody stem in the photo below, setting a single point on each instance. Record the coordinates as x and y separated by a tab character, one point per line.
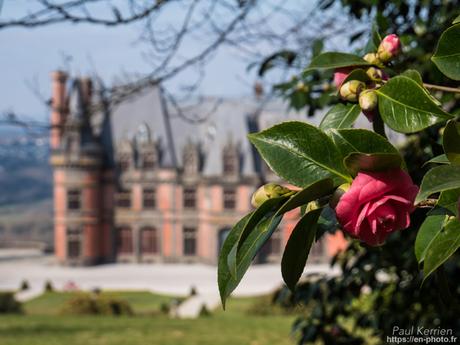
442	88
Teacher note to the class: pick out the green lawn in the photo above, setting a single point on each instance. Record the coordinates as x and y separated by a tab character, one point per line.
42	325
142	302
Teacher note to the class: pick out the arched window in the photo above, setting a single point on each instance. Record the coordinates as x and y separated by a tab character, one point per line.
125	240
149	240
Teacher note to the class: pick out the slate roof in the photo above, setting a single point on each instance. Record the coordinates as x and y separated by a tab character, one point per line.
224	121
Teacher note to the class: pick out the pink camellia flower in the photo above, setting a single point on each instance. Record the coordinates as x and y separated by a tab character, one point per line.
377	204
340	74
389	48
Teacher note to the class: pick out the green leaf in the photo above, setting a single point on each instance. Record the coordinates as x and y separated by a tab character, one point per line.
225	280
456	20
414	75
314	191
360	140
356	162
451	142
332	60
448	201
300	153
327	222
317	47
375	35
406	107
441	159
447	55
428	230
443	245
439	179
340	116
266	209
298	247
255	241
357	74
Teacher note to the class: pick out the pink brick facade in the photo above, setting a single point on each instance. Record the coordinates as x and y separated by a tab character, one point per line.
144	212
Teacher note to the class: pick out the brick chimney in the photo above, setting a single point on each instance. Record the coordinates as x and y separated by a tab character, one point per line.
58	106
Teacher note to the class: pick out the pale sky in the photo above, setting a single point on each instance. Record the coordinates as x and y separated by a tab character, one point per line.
31	54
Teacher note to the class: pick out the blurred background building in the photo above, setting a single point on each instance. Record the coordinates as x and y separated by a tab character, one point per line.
137	183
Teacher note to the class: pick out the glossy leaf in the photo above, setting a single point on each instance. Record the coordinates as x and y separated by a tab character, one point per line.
298	247
442	246
448	201
327	222
266	209
340	116
428	230
456	20
356	162
300	153
252	245
357	74
332	60
314	191
225	280
451	142
447	54
441	159
439	179
415	76
360	140
405	106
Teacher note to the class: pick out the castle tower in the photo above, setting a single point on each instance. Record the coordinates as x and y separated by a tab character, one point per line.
76	157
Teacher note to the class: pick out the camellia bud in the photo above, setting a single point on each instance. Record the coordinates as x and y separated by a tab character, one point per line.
268	191
389	48
368	103
341	190
340	74
376	74
372	58
368	100
351	90
301	87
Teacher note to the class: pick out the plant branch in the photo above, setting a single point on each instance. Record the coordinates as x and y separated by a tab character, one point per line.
428	203
442	88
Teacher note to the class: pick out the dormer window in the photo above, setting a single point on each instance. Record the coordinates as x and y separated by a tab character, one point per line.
191	158
125	155
230	159
148	160
229	166
124	162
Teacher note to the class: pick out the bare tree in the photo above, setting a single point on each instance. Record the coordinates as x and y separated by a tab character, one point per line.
185	35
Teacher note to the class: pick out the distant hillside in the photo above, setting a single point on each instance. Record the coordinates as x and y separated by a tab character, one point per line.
25	188
25	174
27	222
